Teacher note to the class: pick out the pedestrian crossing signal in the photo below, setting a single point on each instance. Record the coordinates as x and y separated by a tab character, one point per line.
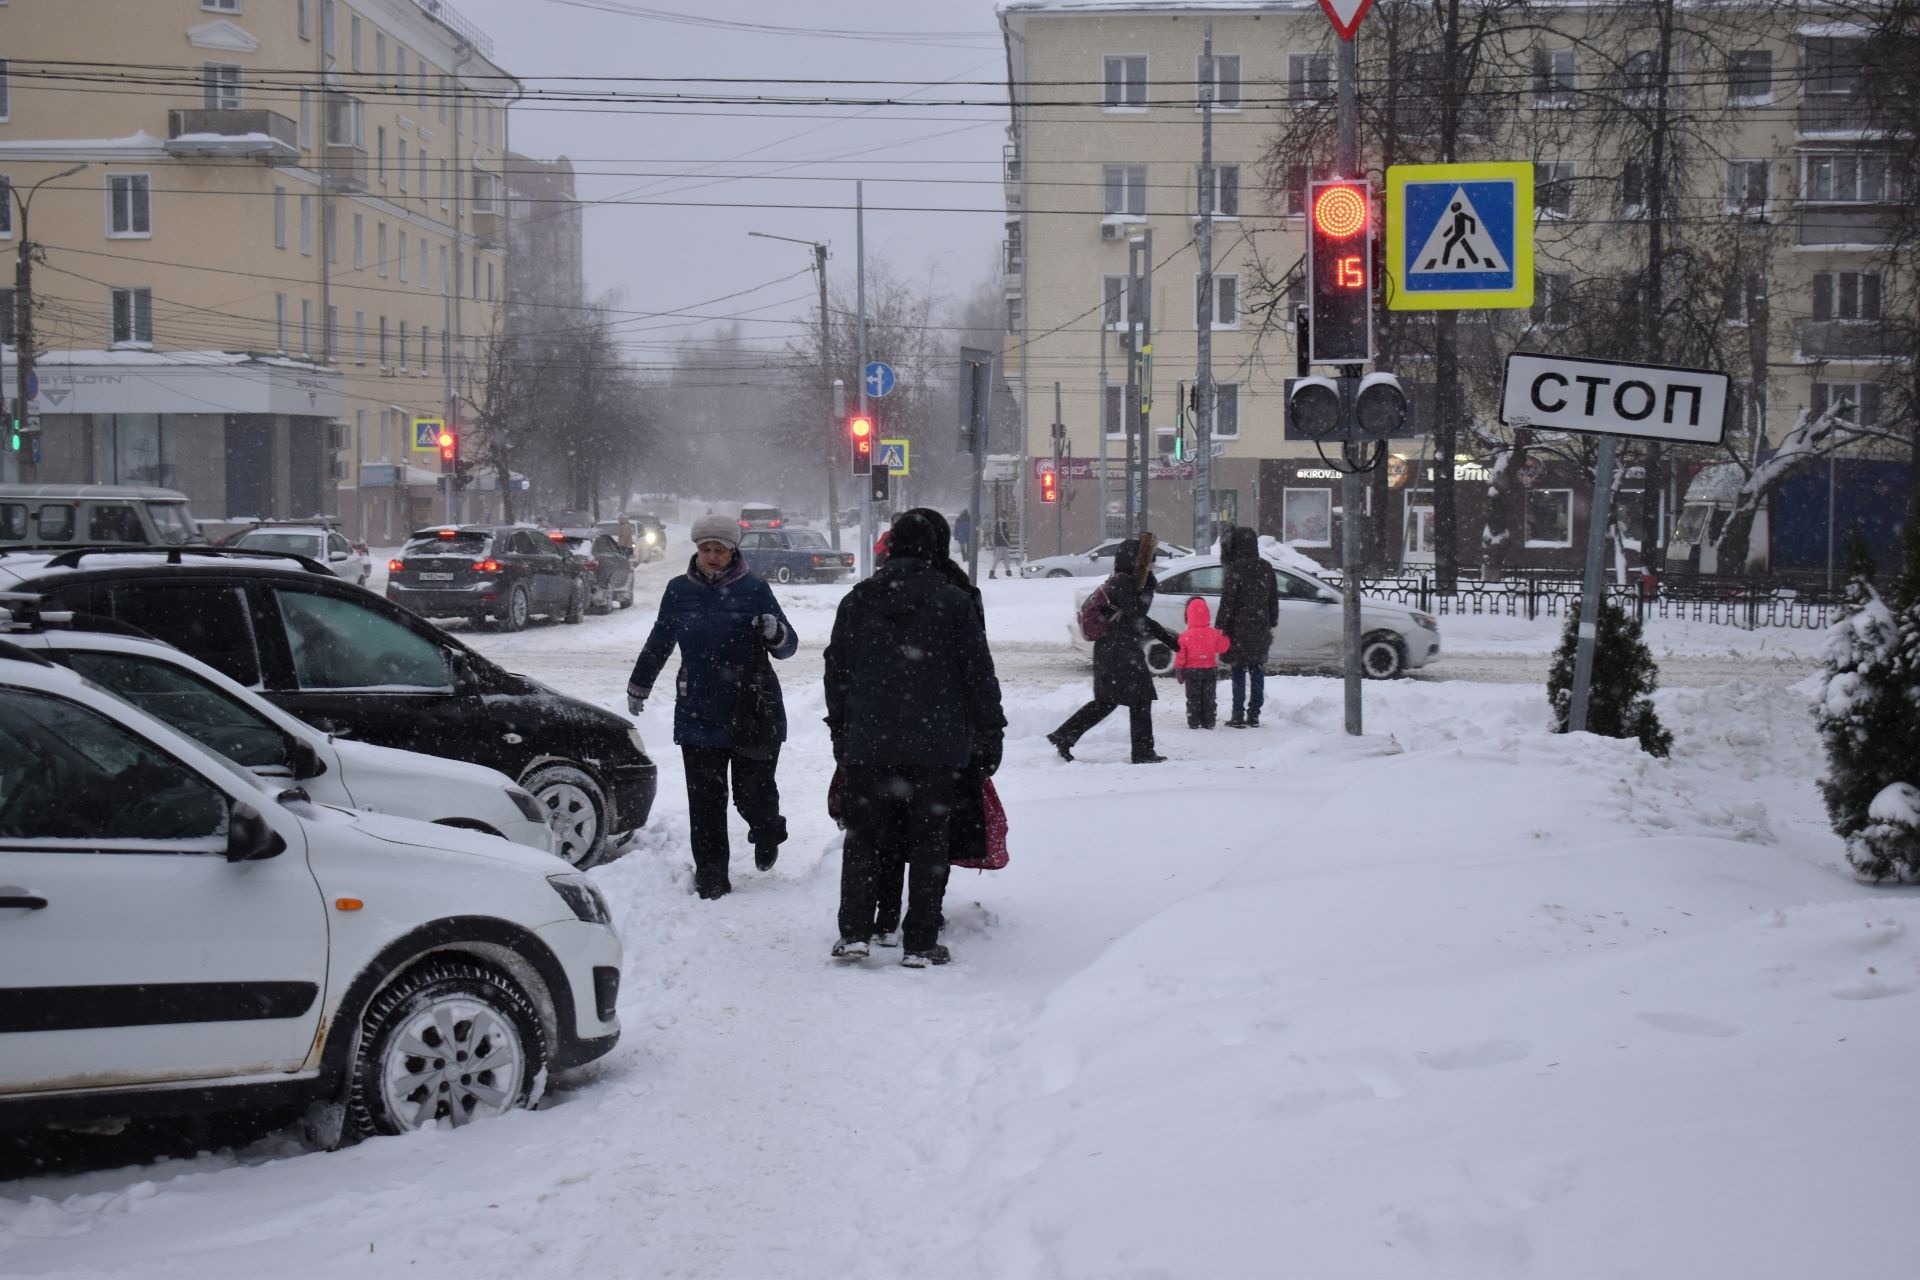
1340	272
1049	487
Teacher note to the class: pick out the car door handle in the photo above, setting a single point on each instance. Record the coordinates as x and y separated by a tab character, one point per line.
21	898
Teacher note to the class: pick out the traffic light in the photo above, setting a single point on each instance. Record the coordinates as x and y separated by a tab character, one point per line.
1340	271
1380	405
15	428
449	449
1049	487
1314	404
879	484
860	431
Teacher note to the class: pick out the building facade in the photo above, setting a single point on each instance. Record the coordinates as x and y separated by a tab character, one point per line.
1105	145
287	244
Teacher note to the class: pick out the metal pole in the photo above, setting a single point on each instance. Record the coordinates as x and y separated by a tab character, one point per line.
1830	522
833	427
1059	507
982	398
1350	499
1131	417
1146	374
23	351
860	307
1100	531
1590	589
1203	373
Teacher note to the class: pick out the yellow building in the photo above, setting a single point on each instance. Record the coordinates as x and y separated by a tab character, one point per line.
284	247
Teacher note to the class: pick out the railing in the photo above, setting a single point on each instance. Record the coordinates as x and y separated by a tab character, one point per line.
1844	113
1846	340
1739	602
453	20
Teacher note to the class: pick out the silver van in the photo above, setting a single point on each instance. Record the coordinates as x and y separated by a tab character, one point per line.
52	515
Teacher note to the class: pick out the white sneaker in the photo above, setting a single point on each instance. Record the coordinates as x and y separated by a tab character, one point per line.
850	949
890	939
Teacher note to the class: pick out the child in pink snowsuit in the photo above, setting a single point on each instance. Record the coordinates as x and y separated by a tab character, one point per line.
1198	664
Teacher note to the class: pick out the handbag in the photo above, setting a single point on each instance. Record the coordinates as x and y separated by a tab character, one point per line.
996	823
755	730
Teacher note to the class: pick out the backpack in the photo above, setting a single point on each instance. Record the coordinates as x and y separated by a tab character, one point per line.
1096	614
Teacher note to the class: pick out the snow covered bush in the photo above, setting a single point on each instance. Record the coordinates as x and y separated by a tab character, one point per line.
1620	699
1869	717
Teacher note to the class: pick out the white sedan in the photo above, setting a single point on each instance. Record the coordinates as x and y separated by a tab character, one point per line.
1096	562
1393	638
326	546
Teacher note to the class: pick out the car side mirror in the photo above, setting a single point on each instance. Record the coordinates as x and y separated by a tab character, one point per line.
304	760
466	677
338	555
249	837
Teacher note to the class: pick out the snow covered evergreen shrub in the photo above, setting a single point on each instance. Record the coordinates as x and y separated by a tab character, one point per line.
1869	718
1620	700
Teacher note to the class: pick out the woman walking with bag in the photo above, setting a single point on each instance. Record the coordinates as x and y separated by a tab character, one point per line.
727	715
1120	674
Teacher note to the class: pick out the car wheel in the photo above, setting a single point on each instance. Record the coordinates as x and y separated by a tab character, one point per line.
1159	658
625	601
576	811
518	610
449	1040
1058	573
1382	657
783	574
576	604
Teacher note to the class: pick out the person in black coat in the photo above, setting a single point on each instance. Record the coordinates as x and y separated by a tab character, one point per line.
1249	611
1120	674
912	705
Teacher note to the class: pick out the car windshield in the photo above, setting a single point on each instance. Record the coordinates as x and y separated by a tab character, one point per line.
304	544
759	513
463	542
578	546
172	521
805	538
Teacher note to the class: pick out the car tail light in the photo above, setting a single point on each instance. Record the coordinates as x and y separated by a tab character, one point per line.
395	566
773	524
448	533
818	561
558	536
487	566
745	524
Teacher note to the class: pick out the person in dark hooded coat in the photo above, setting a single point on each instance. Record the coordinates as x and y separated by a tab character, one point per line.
912	705
1249	611
1120	674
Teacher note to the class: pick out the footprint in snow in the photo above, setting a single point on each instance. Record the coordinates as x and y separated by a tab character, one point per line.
1688	1024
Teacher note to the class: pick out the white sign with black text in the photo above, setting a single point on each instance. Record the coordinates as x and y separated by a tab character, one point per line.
1648	401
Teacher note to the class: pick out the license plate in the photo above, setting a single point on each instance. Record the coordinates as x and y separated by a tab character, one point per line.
436	577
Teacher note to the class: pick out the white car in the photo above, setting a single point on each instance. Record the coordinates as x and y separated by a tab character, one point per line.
1393	638
326	546
1096	562
178	935
190	696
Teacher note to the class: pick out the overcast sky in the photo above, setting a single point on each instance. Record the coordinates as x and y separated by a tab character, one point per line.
633	157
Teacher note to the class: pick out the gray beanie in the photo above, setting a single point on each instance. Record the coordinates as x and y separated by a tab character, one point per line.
717	529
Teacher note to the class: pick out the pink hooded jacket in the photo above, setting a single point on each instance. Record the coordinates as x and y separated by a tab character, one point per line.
1202	643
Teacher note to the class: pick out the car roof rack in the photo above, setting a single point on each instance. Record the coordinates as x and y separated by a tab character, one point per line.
72	556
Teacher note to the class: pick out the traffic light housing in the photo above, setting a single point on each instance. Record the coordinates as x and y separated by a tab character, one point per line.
879	485
860	433
1340	271
16	430
1049	487
449	443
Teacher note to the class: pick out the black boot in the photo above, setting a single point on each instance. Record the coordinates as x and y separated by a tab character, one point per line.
1061	745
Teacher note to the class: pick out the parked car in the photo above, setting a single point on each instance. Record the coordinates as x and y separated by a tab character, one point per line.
227	943
189	696
355	665
325	546
609	572
794	555
48	515
500	573
1393	638
1095	562
649	536
758	515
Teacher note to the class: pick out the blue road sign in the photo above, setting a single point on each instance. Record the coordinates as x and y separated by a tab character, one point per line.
1460	236
426	434
879	378
33	384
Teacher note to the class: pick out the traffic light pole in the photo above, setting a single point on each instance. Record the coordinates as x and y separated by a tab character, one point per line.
1203	374
1350	488
23	309
860	306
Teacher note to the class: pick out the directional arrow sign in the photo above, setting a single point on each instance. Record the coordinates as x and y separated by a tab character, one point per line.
1345	15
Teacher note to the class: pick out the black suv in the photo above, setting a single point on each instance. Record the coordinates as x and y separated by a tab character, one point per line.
348	662
506	573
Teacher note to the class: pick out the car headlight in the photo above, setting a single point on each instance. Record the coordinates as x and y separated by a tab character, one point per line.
582	897
633	736
530	808
652	537
1427	620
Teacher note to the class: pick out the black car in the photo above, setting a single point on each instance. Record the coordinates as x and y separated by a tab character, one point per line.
609	572
348	662
504	573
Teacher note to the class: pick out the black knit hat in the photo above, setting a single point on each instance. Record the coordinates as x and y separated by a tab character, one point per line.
913	536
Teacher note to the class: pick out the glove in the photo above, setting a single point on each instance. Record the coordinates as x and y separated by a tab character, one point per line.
769	626
635	705
986	755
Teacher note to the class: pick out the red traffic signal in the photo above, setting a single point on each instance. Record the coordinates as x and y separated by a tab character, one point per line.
1049	487
860	431
449	446
1340	272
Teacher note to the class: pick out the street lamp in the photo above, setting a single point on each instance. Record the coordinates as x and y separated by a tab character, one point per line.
826	377
23	294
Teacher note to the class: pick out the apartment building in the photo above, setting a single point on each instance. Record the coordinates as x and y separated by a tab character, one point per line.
1105	143
287	242
546	243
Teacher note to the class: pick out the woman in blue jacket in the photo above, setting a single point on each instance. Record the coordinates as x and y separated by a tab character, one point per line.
727	712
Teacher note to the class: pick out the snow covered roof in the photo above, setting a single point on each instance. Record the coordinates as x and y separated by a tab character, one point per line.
134	146
1718	483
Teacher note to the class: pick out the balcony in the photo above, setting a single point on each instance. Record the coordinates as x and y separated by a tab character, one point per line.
346	167
1847	340
484	225
1845	224
1013	172
1844	115
245	132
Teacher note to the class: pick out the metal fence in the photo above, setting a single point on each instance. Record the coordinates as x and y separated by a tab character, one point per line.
1737	602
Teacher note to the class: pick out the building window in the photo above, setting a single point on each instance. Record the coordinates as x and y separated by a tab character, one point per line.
400	164
1552	300
1846	295
446	276
330	227
402	255
476	278
306	223
1113	417
420	82
1226	410
1833	64
426	349
426	261
443	184
326	27
1226	80
490	292
1226	301
306	326
1749	186
346	121
359	242
353	42
1549	517
1125	190
1749	77
6	89
1119	303
380	57
330	340
280	322
1306	517
440	103
279	217
220	86
360	336
400	68
1863	400
380	153
129	206
423	171
132	316
380	249
1309	78
403	346
1746	292
1640	76
383	342
300	23
1555	77
6	317
1851	177
306	119
221	6
1221	196
6	207
1126	82
1553	188
1633	189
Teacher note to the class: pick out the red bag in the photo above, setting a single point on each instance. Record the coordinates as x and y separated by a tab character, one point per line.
996	832
1096	614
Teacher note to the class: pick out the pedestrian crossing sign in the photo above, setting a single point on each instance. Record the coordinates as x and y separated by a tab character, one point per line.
426	434
1459	236
894	455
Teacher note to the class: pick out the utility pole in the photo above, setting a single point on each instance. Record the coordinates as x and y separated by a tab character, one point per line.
860	306
1059	507
452	325
23	353
837	425
1203	374
1100	432
1139	377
